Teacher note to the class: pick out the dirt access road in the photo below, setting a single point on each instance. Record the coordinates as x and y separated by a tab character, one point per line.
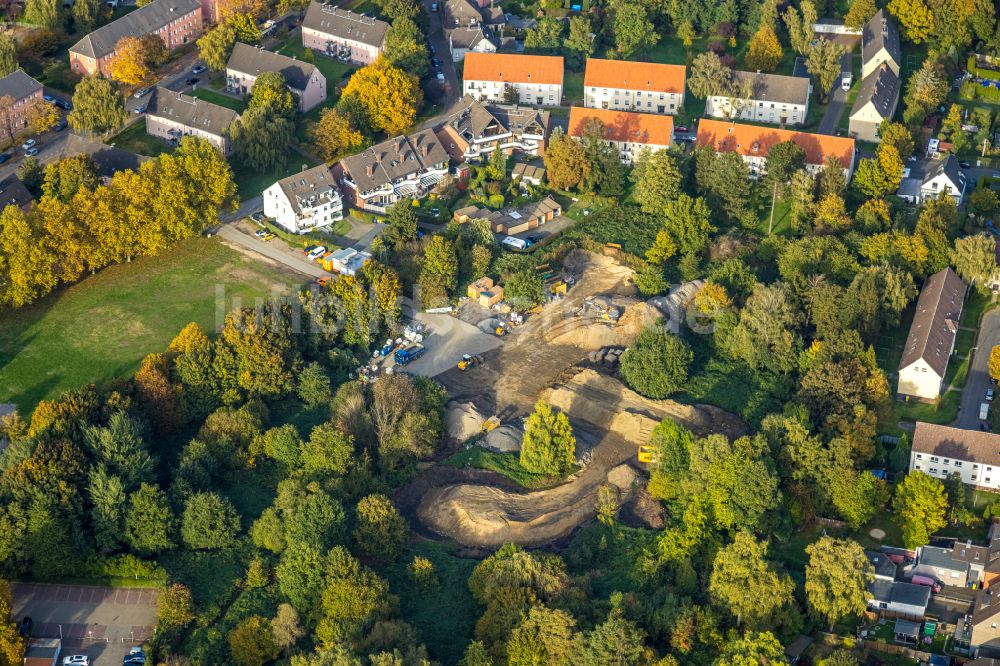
542	360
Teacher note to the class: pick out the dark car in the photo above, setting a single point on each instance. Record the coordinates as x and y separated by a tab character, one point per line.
192	81
61	125
535	238
27	623
964	165
4	157
64	105
681	128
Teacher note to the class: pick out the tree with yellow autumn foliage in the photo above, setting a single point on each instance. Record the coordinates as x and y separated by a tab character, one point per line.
764	52
129	64
333	135
12	644
389	96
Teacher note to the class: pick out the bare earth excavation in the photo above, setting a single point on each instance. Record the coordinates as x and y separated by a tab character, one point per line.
545	359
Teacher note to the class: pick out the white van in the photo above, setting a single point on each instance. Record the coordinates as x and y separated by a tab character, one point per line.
516	243
845	81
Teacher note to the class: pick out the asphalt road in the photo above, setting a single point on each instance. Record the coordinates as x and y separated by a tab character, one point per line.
978	380
450	91
828	125
241	233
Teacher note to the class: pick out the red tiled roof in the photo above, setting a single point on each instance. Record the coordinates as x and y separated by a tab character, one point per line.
513	68
754	141
625	126
647	76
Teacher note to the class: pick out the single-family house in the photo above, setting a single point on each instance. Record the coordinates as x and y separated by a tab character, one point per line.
880	44
14	193
304	201
938	563
469	27
944	176
984	625
248	62
18	94
531	174
932	336
624	85
174	115
404	166
629	133
110	159
884	568
899	599
753	142
941	451
876	101
176	22
762	98
504	78
475	130
343	34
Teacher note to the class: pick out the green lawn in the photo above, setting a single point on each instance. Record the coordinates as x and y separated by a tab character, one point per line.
249	183
507	464
134	139
334	70
101	327
781	224
237	105
573	88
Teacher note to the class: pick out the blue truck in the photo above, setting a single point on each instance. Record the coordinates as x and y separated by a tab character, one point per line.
404	356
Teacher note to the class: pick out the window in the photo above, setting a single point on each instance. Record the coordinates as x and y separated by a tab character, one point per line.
934	458
974	465
958	463
987	479
919	456
974	477
916	467
933	470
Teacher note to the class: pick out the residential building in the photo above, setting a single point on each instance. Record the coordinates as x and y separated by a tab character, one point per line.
304	201
512	220
899	599
110	160
944	176
18	92
629	133
404	166
531	174
880	44
876	101
772	98
469	27
940	451
883	566
532	80
938	564
983	630
248	62
177	22
343	34
14	193
476	130
753	142
932	336
623	85
174	115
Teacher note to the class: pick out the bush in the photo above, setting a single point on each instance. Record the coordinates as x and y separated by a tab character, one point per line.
657	364
123	566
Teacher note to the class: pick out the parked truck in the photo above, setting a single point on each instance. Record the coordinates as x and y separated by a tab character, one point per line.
404	356
984	411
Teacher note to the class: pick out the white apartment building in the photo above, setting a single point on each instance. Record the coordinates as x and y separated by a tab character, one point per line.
630	133
623	85
782	100
941	451
535	80
305	201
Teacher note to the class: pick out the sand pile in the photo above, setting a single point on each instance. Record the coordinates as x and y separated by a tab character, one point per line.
463	420
505	439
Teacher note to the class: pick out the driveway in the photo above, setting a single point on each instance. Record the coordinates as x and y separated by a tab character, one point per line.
828	125
978	380
241	234
103	622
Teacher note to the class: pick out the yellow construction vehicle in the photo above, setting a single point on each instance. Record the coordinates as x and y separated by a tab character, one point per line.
469	361
500	330
490	423
558	287
647	454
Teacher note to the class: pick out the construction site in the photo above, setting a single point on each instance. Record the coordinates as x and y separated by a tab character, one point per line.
565	352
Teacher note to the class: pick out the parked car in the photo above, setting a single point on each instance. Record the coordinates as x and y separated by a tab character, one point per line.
268	236
49	98
31	152
316	253
61	125
140	109
964	165
191	80
28	144
257	216
64	104
25	627
681	128
990	394
76	660
435	62
439	75
260	233
4	157
198	69
142	92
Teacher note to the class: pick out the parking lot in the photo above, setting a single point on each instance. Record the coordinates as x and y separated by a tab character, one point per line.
102	622
447	338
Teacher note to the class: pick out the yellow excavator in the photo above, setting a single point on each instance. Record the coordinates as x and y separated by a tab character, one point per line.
491	423
469	361
647	454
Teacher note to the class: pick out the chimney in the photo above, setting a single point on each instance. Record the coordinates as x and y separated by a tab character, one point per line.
371	170
425	150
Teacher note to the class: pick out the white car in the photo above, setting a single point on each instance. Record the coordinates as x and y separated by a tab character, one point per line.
30	143
77	660
316	253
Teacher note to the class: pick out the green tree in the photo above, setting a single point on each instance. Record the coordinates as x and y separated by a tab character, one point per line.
920	505
63	179
974	259
837	578
209	522
327	450
914	17
823	63
270	91
149	523
549	446
657	181
333	134
754	649
440	265
388	96
632	29
252	642
401	224
44	13
314	385
578	42
743	583
524	289
245	27
174	606
380	530
656	365
566	165
107	495
859	13
216	45
406	47
98	106
707	76
544	637
261	138
926	90
352	598
8	54
496	168
300	577
898	135
800	32
545	36
783	161
741	488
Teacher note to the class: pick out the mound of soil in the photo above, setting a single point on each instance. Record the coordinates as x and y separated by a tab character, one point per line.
463	420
